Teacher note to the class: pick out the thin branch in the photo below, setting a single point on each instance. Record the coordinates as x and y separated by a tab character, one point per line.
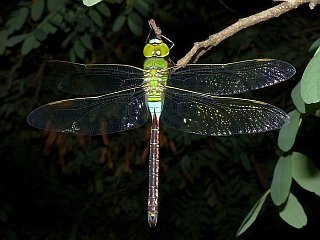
200	48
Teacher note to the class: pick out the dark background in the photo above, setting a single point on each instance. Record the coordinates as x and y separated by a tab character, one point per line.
60	186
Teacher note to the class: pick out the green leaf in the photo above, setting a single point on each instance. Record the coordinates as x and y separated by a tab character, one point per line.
3	216
90	3
72	55
28	44
86	41
142	7
118	23
99	185
104	9
96	17
293	213
53	4
281	182
12	41
252	215
48	27
3	41
297	99
287	134
135	24
16	23
305	173
40	34
37	10
56	19
310	82
79	49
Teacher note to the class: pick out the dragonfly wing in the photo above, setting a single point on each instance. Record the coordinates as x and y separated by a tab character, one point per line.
91	116
230	78
90	79
218	116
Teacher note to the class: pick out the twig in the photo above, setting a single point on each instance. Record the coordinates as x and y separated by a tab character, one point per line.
155	28
200	48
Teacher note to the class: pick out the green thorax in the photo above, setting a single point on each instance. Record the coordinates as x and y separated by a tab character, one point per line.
156	68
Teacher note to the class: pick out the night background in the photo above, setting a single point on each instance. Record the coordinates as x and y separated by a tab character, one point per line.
64	186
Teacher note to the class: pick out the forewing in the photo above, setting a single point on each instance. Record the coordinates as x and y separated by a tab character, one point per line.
230	78
90	79
218	116
91	116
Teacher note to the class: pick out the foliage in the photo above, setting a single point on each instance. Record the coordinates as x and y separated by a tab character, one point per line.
56	186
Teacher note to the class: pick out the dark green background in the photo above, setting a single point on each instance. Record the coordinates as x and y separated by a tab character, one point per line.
59	186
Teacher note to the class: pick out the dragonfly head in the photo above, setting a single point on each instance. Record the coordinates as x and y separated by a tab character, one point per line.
152	219
155	48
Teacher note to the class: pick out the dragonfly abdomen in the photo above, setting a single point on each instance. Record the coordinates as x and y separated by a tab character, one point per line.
153	172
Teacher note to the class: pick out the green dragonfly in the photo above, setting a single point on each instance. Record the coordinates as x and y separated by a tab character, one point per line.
192	99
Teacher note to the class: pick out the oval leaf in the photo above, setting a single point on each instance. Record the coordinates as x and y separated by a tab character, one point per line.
86	41
28	44
310	82
287	134
90	3
19	20
3	41
281	182
12	41
252	215
297	99
37	10
135	24
118	23
104	9
79	49
293	213
96	17
305	173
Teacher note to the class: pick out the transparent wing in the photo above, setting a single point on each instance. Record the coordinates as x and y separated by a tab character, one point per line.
218	116
104	114
90	79
230	78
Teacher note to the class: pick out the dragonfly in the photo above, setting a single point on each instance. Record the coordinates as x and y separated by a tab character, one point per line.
194	99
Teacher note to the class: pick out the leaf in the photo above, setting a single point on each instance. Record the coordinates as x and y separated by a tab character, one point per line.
40	34
28	44
90	3
104	9
96	17
293	213
79	49
252	215
99	185
56	19
19	20
310	82
12	41
48	27
305	173
297	99
281	182
53	4
86	41
118	23
37	9
287	134
3	216
142	7
3	41
135	24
